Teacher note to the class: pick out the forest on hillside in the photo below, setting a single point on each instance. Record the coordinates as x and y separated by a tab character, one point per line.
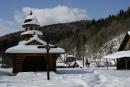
87	37
82	38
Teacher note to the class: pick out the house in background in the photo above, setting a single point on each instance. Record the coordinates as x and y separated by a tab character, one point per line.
27	56
125	45
124	63
69	59
72	62
123	54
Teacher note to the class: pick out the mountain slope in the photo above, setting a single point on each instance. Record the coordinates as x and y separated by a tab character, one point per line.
82	37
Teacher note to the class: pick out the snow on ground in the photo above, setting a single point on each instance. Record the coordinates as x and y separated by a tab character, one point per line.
64	77
113	78
67	77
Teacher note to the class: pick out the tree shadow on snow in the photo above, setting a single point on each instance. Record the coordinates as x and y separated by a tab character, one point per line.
4	73
73	71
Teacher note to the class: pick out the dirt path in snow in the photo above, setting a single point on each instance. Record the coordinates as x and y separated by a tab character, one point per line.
86	77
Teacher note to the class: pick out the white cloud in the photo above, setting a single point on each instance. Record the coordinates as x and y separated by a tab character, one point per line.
47	16
58	14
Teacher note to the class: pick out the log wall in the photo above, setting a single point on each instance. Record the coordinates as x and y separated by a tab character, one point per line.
19	60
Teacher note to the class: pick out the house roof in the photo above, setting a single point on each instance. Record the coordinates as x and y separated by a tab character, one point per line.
124	42
117	55
77	62
70	56
32	49
36	32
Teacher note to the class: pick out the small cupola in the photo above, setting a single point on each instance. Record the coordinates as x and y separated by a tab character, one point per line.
31	22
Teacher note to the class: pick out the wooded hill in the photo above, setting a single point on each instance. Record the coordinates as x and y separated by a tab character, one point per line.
84	37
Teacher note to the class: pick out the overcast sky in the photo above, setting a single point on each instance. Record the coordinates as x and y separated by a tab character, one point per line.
49	12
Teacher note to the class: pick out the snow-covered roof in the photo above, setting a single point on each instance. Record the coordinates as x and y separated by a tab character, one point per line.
32	32
128	32
32	49
70	56
36	38
33	19
117	55
23	48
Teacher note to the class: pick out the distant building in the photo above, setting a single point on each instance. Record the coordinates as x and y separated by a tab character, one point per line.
125	45
124	63
123	54
27	56
70	59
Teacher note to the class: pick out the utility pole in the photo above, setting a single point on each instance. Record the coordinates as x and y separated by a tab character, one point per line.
48	48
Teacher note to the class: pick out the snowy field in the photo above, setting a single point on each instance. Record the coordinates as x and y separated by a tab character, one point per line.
72	77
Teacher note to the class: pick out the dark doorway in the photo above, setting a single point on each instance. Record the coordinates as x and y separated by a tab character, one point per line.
34	63
123	63
128	63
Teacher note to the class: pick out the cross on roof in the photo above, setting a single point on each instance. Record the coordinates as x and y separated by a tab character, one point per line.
31	12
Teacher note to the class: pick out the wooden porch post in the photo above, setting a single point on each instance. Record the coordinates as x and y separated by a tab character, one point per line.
83	61
126	63
48	48
107	64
